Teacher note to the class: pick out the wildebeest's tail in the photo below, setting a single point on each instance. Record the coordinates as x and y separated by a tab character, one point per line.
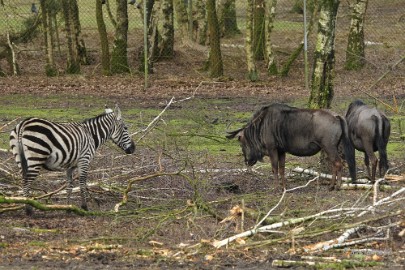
348	149
382	132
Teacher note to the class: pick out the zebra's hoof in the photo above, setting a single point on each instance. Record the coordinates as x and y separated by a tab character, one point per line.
28	210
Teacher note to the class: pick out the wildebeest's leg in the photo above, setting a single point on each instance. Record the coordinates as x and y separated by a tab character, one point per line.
367	163
69	187
281	167
368	148
274	159
28	177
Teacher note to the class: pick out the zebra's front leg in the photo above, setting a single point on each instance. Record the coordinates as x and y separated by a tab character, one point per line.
69	187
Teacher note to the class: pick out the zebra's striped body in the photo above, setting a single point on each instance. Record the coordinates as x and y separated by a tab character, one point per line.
39	143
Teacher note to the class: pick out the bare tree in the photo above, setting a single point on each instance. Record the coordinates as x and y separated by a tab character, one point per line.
102	32
119	58
259	26
227	18
215	58
270	56
324	58
355	56
73	63
252	72
50	68
166	46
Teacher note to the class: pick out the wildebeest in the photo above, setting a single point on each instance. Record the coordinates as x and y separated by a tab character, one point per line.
278	129
369	131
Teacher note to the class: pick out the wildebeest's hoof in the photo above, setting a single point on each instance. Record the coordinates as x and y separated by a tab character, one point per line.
84	207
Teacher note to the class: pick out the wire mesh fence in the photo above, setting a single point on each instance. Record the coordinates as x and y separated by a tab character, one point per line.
384	35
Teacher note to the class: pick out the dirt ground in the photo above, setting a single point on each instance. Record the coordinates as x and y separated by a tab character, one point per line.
172	222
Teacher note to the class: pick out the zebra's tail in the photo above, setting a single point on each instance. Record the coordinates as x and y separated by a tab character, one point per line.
17	149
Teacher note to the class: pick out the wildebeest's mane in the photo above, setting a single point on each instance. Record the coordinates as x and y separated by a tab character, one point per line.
353	105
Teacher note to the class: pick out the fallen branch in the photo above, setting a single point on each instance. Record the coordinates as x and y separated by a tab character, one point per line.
365	186
327	176
280	224
325	265
46	207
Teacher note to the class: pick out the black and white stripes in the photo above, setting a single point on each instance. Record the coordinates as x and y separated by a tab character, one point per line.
39	143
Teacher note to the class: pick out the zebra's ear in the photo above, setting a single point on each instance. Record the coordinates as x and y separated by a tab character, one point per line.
117	112
107	110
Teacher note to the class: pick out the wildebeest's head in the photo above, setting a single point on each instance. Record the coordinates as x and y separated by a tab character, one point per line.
250	144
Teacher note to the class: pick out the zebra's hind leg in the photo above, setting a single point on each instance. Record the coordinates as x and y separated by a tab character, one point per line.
29	176
69	187
83	187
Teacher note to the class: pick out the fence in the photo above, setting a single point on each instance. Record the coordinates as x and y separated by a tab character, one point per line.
384	38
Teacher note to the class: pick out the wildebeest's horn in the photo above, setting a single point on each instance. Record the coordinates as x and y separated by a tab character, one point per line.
232	134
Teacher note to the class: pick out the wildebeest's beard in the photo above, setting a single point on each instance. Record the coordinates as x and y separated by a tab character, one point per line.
252	147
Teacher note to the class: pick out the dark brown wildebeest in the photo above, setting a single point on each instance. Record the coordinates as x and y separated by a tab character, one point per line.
369	131
278	129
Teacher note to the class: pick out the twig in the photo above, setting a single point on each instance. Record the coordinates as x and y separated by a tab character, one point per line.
281	199
371	207
154	121
327	176
124	200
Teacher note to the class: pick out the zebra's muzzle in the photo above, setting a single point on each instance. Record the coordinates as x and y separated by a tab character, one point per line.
130	149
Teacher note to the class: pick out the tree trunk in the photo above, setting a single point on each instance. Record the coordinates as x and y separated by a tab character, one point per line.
214	59
119	58
50	68
324	58
252	72
81	50
166	46
180	8
73	65
271	61
227	18
102	32
355	56
259	25
200	22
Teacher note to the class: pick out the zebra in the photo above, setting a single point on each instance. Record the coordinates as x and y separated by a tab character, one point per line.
38	143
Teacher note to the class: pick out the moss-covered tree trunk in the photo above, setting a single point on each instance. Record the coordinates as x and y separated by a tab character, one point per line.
200	22
215	64
180	7
119	58
77	31
50	68
227	18
324	58
73	64
251	65
102	33
259	29
270	56
166	46
355	55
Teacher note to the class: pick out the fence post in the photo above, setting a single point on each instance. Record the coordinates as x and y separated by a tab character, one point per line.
305	46
145	43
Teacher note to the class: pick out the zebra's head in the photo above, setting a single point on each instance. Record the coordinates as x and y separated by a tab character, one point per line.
120	134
